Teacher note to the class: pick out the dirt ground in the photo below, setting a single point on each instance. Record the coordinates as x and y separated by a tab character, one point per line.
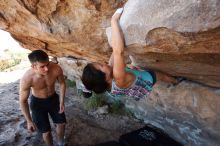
84	128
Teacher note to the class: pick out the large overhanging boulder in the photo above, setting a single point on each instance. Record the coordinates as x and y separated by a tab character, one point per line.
181	38
60	27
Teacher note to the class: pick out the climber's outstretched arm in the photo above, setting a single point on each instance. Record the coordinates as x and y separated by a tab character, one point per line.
119	65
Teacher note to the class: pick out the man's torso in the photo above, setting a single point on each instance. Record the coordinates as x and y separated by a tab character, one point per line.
43	86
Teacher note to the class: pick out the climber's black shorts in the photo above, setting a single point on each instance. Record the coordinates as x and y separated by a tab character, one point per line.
42	107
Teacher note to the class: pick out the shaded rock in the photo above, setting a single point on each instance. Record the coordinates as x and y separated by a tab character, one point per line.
189	47
187	112
178	37
62	28
72	67
102	110
168	51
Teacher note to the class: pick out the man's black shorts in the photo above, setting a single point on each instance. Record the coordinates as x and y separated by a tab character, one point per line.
42	107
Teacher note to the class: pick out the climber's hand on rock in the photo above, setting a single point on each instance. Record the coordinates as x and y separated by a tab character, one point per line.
116	16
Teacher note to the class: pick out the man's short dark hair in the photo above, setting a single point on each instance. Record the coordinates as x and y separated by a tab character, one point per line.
38	56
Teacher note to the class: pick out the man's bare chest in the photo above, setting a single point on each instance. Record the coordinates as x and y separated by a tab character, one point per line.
43	82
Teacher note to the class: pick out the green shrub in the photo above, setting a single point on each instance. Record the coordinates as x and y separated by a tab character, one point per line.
95	101
99	100
70	83
128	112
5	64
118	108
11	59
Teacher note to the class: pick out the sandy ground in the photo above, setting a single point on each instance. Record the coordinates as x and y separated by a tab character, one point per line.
84	127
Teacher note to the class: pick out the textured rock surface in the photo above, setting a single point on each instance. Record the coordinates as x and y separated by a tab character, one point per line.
72	68
77	28
175	36
140	17
187	112
196	60
61	27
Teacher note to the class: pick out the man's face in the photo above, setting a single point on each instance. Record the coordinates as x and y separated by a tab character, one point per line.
41	67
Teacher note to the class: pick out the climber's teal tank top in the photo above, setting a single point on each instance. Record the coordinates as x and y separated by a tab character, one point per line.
140	88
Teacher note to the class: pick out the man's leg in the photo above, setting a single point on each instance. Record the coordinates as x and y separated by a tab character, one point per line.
41	120
48	138
59	119
60	129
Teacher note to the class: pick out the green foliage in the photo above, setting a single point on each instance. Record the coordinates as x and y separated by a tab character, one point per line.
95	101
70	83
5	64
118	108
11	59
128	112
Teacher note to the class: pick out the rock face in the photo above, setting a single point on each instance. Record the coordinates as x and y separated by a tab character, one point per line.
181	38
188	45
187	112
60	27
139	17
194	56
178	37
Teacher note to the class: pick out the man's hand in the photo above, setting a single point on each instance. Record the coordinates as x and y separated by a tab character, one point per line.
62	108
31	127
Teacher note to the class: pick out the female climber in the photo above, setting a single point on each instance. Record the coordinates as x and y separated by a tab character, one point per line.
115	76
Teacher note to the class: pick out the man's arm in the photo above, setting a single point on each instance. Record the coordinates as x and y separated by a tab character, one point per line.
23	100
62	88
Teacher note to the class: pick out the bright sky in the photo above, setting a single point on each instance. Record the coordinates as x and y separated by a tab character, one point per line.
7	42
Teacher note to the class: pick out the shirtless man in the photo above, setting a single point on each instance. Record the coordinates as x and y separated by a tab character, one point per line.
40	79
